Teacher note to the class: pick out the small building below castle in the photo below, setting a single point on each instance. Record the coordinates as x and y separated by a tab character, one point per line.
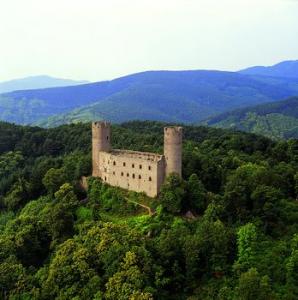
134	170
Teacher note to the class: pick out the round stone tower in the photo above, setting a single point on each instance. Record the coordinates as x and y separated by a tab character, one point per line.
173	150
101	141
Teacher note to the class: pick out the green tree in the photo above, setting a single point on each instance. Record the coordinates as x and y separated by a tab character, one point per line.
247	245
292	267
60	217
11	274
172	194
53	179
254	287
17	196
129	282
196	194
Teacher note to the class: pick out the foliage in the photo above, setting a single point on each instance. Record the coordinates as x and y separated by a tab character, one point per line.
172	194
227	230
276	120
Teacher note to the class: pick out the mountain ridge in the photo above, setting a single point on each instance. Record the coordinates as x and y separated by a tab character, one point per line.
288	69
171	96
36	82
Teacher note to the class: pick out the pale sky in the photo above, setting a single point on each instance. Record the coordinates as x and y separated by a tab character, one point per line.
104	39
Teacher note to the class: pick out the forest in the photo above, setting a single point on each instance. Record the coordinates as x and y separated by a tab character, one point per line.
276	120
228	230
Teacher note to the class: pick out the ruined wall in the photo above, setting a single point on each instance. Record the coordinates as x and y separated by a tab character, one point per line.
137	171
173	150
133	170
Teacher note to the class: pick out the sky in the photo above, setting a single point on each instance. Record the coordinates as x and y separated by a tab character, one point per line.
103	39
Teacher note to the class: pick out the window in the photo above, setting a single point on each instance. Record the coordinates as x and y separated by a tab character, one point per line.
121	173
149	168
107	138
133	165
133	175
114	163
124	164
140	166
127	174
150	179
105	178
113	172
140	177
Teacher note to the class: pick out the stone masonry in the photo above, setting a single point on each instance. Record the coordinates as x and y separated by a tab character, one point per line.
134	170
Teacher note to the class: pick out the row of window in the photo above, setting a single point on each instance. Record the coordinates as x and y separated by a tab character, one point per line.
133	175
132	165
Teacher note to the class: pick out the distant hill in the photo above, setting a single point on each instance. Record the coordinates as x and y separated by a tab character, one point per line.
172	96
35	82
288	69
275	120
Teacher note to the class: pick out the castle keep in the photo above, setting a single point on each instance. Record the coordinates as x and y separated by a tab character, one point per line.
134	170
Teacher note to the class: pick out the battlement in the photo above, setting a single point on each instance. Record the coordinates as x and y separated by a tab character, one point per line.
173	130
101	124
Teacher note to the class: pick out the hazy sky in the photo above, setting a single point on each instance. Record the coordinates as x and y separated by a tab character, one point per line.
104	39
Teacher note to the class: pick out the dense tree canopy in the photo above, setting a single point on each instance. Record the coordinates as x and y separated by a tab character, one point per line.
227	230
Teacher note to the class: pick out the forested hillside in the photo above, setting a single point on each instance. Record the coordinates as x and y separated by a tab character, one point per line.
276	120
58	242
172	96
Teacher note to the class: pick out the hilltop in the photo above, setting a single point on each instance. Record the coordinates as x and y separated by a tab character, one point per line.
286	69
36	82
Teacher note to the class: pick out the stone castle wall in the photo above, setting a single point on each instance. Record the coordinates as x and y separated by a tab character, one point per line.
133	170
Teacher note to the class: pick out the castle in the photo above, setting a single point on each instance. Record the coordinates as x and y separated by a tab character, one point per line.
134	170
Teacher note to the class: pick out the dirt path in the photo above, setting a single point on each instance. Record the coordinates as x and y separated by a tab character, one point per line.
150	210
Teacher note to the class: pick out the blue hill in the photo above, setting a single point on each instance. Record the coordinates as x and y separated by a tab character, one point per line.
35	82
184	96
288	69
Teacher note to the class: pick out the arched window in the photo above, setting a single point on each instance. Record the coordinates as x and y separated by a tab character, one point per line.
140	166
124	164
121	173
127	174
150	179
133	175
149	168
114	163
133	165
140	177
